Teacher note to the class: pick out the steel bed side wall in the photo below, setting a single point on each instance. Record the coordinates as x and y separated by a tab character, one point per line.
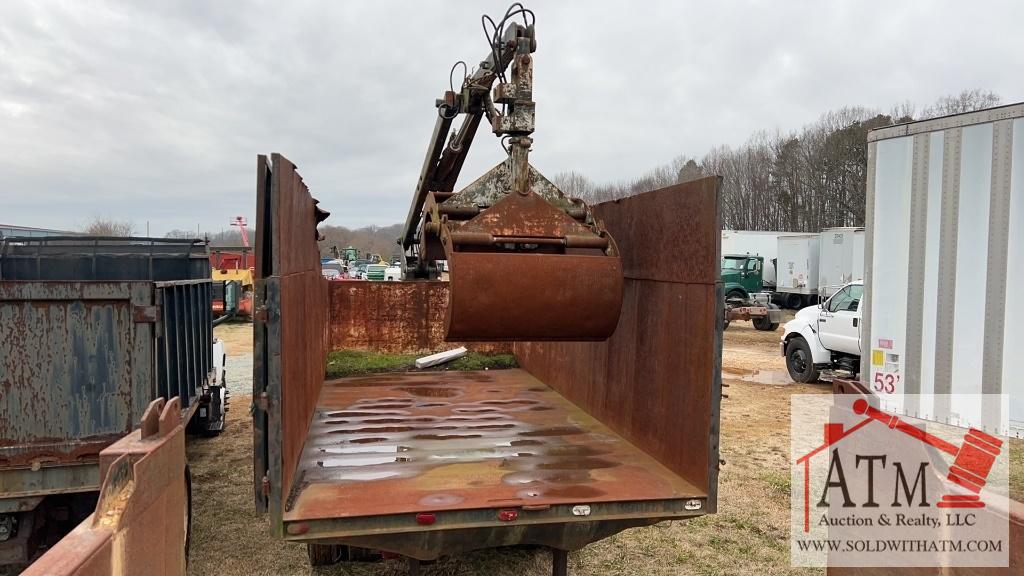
395	317
84	360
290	328
84	258
76	370
657	380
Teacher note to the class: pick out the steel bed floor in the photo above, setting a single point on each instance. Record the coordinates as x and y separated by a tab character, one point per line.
433	441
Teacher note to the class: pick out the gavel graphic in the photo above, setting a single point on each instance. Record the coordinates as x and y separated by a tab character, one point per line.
972	461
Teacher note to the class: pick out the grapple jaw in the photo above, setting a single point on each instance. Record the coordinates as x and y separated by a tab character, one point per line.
531	266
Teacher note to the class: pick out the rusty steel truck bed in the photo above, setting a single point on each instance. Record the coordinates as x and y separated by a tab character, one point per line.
586	439
411	443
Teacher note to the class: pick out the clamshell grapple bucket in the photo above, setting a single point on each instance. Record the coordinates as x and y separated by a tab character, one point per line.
525	261
526	270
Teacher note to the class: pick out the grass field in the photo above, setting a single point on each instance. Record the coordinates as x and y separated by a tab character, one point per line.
354	362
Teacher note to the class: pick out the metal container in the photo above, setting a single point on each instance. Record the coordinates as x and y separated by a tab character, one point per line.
79	363
840	259
945	239
81	357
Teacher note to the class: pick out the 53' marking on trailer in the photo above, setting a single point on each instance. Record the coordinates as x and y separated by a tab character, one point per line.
885	382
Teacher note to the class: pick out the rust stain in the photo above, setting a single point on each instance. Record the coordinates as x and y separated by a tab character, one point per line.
66	370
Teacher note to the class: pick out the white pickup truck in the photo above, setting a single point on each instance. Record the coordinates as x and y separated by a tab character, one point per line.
825	336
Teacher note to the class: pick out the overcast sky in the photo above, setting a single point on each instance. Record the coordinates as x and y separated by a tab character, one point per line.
155	111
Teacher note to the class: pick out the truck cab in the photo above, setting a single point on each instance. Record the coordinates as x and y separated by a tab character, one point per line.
825	336
742	275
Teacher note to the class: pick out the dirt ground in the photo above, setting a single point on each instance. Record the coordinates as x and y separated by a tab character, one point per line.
748	535
237	337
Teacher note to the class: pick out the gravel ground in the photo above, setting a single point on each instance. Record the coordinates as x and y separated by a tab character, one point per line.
237	338
238	374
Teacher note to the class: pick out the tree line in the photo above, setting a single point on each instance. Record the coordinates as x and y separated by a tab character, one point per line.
799	181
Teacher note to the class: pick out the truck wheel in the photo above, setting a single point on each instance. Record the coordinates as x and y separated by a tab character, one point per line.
794	301
764	323
799	362
323	554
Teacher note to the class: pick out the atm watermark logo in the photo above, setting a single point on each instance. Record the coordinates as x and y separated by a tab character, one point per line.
873	488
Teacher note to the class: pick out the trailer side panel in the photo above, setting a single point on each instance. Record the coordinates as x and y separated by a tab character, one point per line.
946	198
657	380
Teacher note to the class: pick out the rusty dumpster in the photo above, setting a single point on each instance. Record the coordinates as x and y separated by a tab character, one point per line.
81	359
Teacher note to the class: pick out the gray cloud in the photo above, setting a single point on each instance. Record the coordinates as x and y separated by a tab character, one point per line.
155	111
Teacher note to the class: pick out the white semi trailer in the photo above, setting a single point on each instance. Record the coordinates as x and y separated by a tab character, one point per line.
945	222
840	259
945	240
797	268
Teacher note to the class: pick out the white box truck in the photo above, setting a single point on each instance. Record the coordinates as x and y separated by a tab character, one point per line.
797	267
840	259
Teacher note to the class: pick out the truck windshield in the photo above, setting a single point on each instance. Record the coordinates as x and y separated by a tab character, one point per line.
734	263
847	299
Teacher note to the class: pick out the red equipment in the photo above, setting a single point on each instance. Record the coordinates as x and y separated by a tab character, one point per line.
972	461
241	222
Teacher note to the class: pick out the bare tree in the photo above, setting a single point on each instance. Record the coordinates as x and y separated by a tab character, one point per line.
903	112
106	227
966	101
382	240
178	233
574	185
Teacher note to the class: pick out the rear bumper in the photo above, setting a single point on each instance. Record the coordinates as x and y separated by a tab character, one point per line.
458	531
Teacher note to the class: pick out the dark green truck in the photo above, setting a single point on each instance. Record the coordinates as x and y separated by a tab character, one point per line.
743	285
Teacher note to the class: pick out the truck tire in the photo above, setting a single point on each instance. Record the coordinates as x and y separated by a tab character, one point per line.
764	323
799	361
794	301
324	554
